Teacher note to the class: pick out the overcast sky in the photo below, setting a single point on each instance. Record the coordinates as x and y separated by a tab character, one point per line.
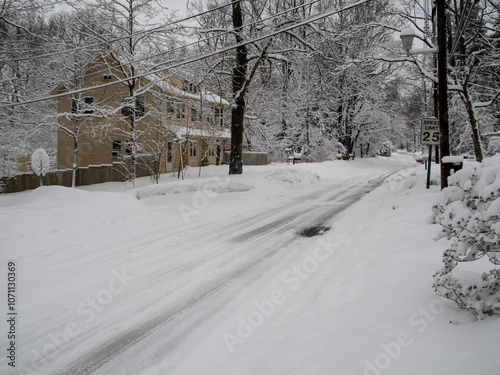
176	4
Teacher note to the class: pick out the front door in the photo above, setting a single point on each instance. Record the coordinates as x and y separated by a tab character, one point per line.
169	165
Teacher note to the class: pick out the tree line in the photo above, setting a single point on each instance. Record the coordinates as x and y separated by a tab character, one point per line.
327	86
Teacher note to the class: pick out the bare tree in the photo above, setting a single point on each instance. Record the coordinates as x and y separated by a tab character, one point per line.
131	36
24	72
70	31
474	57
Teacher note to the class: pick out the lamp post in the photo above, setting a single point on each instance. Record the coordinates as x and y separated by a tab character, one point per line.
407	35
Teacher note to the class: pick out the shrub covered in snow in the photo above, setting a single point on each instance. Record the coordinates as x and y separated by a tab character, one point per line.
469	213
40	162
386	149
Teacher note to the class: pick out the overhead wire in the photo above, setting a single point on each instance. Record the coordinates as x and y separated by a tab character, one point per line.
192	43
122	37
464	19
199	41
195	59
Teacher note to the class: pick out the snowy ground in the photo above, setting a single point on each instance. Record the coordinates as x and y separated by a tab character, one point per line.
211	276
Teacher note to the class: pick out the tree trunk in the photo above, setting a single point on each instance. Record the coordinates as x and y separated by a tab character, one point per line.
349	146
133	131
238	108
473	123
75	161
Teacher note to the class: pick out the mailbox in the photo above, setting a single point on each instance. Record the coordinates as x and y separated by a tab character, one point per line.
454	163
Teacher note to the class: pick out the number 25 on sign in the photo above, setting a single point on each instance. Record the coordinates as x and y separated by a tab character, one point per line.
430	131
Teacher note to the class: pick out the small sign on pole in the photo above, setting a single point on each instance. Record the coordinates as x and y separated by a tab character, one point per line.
430	134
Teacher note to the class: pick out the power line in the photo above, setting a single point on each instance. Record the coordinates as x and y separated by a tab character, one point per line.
202	57
197	41
120	38
193	43
464	19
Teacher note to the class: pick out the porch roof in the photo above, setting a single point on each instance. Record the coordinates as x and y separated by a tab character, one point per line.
183	132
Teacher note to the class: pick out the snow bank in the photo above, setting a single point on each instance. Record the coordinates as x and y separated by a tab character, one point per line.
49	212
291	175
469	213
215	184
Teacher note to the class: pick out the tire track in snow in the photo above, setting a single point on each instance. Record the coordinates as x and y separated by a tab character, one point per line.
243	260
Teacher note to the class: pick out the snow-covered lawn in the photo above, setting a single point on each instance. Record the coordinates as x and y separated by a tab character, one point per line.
210	276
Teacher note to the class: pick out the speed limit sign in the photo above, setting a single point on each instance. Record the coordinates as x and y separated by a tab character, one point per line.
430	131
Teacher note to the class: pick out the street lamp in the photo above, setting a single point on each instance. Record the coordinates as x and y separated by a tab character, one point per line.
407	35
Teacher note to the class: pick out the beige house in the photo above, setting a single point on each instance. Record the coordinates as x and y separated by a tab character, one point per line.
104	119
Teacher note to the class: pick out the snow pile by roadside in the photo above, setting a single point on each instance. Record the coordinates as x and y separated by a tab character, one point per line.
288	174
403	181
469	213
291	175
216	185
50	212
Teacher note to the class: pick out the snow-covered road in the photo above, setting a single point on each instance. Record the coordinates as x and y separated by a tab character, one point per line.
234	250
196	273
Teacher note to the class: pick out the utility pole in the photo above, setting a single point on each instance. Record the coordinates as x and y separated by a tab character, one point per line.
238	107
444	143
435	88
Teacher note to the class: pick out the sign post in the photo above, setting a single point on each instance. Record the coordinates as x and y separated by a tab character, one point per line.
430	136
430	131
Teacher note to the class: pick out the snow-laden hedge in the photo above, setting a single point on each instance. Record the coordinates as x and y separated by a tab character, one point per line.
469	213
40	162
386	149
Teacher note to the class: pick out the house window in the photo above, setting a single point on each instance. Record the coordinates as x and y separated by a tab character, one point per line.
170	109
116	149
194	114
192	149
126	107
169	152
189	86
219	116
128	147
181	111
74	105
139	106
87	104
130	107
